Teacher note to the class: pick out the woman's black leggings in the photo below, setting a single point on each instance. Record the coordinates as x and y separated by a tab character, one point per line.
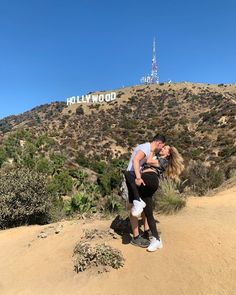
148	211
146	192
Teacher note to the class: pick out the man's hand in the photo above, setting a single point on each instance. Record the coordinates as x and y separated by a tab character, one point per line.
139	181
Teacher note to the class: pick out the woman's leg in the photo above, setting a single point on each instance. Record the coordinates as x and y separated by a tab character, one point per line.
133	192
148	210
134	225
146	192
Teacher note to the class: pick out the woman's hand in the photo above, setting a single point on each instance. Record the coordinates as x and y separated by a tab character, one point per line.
139	181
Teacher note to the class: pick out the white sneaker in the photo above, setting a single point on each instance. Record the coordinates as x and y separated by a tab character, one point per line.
155	244
137	208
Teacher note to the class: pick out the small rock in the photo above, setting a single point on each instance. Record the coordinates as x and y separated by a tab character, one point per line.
58	229
42	235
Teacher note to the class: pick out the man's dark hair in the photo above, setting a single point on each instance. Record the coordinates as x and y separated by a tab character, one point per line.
159	138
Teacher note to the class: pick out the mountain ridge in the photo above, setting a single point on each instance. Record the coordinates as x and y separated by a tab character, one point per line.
199	119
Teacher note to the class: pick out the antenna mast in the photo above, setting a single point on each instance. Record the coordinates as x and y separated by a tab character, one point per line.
153	78
154	75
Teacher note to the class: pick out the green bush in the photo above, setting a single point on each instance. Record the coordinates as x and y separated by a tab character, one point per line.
232	173
61	183
82	202
42	165
168	199
2	156
113	204
24	198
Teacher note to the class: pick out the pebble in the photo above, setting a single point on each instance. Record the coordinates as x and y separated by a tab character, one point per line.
42	235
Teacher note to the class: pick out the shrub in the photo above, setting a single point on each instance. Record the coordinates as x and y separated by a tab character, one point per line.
79	110
168	199
2	156
113	204
216	178
57	160
24	198
98	166
201	179
42	165
232	173
82	160
82	202
129	124
61	183
86	256
109	180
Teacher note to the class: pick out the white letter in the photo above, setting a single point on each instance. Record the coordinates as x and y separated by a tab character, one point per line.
83	99
88	97
94	98
107	97
101	98
113	95
71	100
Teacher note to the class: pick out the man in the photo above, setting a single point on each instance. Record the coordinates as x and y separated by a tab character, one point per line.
133	180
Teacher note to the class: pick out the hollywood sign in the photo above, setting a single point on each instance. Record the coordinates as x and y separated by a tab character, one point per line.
92	98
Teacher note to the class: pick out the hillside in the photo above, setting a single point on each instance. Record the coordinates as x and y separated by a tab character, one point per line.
198	256
199	119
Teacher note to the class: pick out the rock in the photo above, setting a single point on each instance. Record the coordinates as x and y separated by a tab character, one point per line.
42	235
58	229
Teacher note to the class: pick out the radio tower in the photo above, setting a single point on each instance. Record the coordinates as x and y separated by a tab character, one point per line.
154	75
153	78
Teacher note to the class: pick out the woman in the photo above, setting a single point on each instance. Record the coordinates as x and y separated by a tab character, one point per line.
169	163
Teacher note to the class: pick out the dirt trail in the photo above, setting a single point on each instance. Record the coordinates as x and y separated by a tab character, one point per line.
199	256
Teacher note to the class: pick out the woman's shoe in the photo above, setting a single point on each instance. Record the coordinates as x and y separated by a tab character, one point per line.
155	244
137	208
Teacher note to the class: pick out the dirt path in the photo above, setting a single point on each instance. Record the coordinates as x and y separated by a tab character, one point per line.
199	256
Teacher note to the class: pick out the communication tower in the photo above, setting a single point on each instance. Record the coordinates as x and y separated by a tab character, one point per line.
153	78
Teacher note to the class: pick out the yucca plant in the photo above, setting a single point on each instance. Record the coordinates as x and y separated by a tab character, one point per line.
81	202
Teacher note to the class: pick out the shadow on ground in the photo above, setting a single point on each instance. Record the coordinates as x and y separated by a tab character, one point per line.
123	228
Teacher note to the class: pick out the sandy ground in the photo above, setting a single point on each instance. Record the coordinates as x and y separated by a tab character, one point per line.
199	256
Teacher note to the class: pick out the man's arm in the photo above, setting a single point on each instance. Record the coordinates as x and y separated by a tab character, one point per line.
136	164
152	161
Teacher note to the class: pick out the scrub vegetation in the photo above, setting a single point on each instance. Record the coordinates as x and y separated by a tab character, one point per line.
57	161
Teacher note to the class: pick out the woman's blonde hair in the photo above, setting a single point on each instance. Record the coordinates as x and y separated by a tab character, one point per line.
175	165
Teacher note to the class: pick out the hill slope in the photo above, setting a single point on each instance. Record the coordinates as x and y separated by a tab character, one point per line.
200	119
198	256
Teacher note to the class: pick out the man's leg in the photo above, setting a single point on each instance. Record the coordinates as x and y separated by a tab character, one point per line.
145	223
147	232
137	239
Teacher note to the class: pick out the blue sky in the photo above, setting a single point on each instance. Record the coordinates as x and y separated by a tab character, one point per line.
53	49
